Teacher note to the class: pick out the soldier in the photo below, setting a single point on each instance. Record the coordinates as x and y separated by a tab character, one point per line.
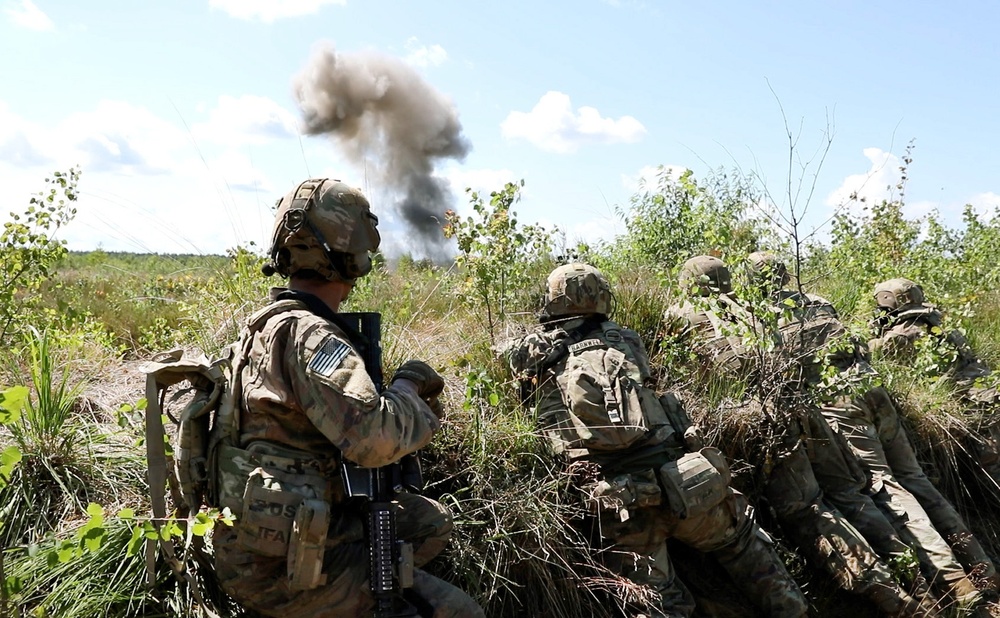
589	381
715	324
305	405
834	369
903	317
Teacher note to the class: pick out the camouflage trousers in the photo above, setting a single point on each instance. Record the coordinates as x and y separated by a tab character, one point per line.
844	482
261	583
637	549
924	519
824	534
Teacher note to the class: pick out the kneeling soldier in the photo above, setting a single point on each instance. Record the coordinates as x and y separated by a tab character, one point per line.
589	380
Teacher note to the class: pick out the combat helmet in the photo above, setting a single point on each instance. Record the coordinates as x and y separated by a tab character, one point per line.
898	295
326	227
576	289
767	271
706	274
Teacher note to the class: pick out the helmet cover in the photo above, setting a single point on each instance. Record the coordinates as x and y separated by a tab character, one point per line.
767	271
327	227
898	294
577	289
706	274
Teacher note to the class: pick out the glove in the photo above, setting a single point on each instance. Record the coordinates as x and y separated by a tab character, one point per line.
429	382
436	406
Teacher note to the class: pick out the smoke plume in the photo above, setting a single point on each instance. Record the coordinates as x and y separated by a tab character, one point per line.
387	119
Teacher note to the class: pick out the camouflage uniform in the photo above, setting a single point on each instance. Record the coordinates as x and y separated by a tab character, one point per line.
589	383
869	424
905	318
824	534
305	404
321	410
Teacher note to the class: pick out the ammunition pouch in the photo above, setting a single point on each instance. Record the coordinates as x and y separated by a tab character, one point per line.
625	491
271	505
307	545
233	466
282	499
696	482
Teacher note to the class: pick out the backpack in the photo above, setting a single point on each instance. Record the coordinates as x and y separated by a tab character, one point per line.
200	398
609	407
181	463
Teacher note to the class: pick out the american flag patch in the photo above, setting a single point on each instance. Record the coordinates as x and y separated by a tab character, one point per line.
329	356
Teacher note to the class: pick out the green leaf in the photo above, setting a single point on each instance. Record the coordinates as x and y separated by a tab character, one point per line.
201	528
94	538
494	399
126	514
95	510
136	542
12	401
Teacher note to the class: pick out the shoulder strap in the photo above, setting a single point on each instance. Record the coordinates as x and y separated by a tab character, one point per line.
561	348
166	370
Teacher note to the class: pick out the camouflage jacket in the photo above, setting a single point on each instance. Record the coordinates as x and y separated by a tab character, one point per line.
812	335
896	336
305	387
715	330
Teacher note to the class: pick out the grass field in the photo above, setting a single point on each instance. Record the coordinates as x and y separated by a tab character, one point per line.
72	430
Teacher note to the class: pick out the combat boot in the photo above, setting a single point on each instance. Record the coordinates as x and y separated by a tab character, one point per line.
895	602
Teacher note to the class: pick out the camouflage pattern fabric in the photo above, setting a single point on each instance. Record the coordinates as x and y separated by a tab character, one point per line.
714	329
636	525
305	388
638	550
924	519
261	583
879	453
980	430
897	336
577	289
805	461
322	212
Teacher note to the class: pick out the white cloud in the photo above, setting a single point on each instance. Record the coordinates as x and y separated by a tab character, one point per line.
553	126
118	136
985	203
483	180
877	184
594	231
145	187
236	170
424	55
268	11
26	15
648	177
247	119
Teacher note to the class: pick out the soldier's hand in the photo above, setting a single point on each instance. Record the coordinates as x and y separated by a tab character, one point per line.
429	383
435	405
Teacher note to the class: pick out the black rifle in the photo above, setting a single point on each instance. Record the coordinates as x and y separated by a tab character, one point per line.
391	560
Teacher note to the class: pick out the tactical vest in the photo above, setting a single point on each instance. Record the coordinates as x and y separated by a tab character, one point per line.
715	338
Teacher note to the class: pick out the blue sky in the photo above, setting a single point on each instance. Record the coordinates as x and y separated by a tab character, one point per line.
183	119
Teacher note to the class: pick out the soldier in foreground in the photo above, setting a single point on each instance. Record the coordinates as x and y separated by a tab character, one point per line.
904	318
305	405
833	368
589	381
715	324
